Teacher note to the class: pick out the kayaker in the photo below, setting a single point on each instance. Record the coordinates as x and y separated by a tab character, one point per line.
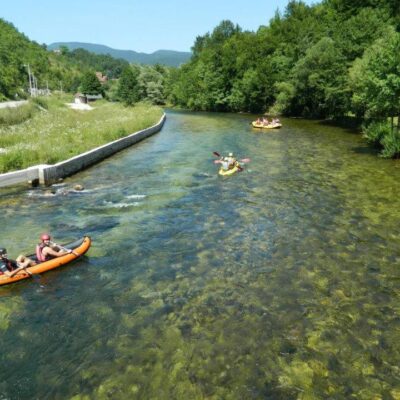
46	250
231	160
11	267
224	163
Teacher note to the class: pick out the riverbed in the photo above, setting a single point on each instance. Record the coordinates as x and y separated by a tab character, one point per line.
279	282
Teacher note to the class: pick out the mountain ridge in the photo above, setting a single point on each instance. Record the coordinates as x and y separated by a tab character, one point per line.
167	57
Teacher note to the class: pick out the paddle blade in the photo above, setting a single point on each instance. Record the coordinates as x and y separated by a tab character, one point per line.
216	153
245	160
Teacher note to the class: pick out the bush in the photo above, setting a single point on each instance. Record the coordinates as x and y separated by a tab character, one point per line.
375	132
41	102
391	145
380	135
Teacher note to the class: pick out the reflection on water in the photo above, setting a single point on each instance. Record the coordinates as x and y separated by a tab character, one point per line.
281	282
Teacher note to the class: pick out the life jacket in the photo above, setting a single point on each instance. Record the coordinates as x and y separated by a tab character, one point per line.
7	265
39	253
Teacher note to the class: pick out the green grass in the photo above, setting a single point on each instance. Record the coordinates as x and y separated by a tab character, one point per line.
14	116
47	137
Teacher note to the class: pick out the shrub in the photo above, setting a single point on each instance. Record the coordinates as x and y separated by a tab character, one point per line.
391	145
41	102
375	132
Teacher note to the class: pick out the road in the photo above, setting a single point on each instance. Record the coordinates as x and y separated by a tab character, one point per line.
13	104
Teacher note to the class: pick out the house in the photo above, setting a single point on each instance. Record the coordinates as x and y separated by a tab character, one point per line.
81	98
102	78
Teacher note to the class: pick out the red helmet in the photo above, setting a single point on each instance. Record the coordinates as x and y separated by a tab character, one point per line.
44	237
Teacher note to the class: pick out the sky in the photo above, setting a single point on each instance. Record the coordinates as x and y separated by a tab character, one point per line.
139	25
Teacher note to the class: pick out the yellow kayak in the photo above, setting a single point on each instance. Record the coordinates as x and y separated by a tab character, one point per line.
231	171
269	126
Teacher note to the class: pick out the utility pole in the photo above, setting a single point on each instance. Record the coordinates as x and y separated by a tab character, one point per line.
35	85
30	78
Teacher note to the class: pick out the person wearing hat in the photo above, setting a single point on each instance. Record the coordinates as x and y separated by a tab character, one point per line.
12	267
230	161
46	249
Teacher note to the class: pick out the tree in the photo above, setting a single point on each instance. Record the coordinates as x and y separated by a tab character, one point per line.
64	50
128	88
375	79
320	81
150	84
90	84
358	32
247	93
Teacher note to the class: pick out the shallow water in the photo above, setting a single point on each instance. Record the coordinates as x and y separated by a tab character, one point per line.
280	282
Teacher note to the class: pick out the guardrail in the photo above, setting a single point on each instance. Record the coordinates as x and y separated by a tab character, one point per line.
48	174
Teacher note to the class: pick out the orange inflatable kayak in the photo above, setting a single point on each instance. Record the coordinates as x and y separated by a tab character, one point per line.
79	247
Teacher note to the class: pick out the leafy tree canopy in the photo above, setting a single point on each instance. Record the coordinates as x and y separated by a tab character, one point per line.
90	84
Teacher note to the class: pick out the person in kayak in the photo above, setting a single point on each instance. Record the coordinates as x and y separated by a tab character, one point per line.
229	162
12	267
46	249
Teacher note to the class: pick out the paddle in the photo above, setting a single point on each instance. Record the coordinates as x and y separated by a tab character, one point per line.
65	249
243	160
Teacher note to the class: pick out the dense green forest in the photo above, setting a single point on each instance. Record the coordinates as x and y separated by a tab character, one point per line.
329	60
303	63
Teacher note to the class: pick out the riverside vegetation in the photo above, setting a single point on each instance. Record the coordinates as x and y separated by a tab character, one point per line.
31	135
331	60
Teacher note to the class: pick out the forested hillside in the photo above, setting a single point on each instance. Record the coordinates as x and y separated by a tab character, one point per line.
16	53
83	59
306	62
56	71
165	57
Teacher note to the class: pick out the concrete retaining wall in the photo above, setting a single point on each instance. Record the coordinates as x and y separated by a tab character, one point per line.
48	174
24	175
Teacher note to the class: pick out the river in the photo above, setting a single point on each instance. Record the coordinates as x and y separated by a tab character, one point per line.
279	282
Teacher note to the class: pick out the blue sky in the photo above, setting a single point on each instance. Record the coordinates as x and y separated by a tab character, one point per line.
140	25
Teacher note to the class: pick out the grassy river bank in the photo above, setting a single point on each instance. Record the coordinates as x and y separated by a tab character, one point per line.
47	131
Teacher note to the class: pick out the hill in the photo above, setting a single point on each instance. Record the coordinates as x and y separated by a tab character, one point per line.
165	57
23	61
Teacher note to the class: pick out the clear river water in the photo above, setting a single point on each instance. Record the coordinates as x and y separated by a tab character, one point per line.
279	282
